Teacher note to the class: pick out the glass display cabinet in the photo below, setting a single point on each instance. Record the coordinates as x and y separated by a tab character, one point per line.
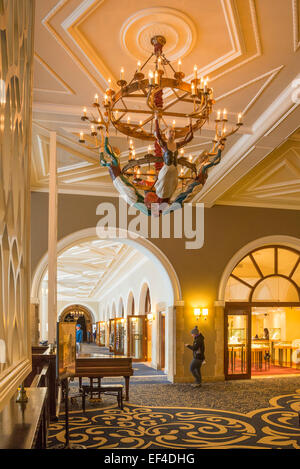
120	336
100	334
137	338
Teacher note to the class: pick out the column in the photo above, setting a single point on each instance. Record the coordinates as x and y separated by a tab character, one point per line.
219	342
52	242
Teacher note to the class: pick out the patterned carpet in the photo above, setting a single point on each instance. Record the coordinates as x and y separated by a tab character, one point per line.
147	427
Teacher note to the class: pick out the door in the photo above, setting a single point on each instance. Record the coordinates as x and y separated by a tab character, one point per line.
237	343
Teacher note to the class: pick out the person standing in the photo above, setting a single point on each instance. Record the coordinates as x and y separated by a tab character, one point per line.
198	349
78	338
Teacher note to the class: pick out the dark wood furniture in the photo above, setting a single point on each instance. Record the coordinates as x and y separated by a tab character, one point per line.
110	389
93	365
24	426
43	374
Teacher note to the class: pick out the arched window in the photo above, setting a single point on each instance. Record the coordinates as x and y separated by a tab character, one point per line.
270	273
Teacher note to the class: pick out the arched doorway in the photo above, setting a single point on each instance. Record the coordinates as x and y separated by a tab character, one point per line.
171	287
262	313
81	315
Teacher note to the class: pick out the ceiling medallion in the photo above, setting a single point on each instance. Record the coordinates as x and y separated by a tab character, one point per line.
154	183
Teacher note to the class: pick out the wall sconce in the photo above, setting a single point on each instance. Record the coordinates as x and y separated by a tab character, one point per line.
150	316
201	312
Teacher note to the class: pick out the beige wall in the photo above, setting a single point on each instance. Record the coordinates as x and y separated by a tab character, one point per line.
227	229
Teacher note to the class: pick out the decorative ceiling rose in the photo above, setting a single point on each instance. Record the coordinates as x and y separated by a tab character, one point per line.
153	183
175	26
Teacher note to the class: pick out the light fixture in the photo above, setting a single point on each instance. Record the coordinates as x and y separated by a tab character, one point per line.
151	82
150	317
201	312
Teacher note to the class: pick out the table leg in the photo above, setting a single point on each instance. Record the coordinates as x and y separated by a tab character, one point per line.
83	400
126	388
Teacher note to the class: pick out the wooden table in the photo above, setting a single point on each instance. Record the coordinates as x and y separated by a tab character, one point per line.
24	426
97	366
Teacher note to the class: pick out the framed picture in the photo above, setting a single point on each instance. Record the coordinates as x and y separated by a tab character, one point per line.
66	350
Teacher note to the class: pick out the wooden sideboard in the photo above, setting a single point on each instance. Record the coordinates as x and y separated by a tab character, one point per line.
24	426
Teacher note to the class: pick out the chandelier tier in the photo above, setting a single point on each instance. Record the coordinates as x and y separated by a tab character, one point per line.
154	171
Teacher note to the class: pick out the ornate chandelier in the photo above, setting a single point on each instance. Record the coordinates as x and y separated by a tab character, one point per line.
154	183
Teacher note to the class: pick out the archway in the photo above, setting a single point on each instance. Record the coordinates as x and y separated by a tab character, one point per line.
81	315
172	290
262	311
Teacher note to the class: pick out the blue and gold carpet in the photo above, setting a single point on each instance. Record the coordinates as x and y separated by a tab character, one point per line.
147	427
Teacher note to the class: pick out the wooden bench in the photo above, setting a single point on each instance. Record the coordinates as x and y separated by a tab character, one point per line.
110	389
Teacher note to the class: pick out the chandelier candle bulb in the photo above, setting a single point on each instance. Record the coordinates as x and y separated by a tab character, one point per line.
105	99
150	77
193	89
195	72
239	118
81	138
84	112
149	149
96	99
224	115
179	65
122	73
139	66
173	124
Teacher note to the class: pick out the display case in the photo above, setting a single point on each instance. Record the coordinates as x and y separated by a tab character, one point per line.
120	336
112	335
137	339
100	333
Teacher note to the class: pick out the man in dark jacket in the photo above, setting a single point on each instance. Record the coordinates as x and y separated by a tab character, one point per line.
198	355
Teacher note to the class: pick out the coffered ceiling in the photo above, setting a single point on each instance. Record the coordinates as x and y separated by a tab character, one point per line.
248	48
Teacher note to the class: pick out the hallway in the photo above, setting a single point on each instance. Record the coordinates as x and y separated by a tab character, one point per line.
143	373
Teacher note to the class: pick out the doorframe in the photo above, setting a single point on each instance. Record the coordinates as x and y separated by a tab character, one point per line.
232	307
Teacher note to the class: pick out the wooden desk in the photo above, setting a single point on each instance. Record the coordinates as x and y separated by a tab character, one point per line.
24	426
94	365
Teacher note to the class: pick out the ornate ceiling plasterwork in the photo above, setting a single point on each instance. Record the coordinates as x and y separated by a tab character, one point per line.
236	43
274	183
178	29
